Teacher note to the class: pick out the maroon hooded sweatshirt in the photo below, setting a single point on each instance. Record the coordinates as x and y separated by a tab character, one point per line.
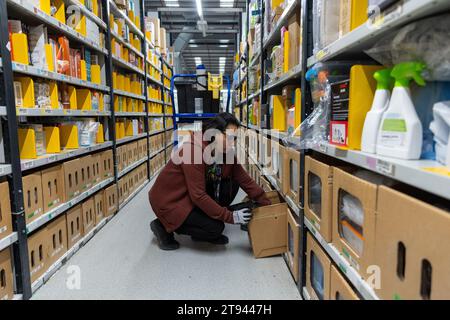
181	186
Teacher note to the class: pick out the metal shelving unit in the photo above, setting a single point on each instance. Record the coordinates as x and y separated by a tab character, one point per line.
363	37
53	214
292	74
132	138
423	174
131	196
275	35
157	152
8	240
36	72
65	155
131	167
15	167
129	94
39	112
28	10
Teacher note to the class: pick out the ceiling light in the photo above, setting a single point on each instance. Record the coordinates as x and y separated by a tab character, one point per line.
199	8
223	46
193	45
172	4
224	41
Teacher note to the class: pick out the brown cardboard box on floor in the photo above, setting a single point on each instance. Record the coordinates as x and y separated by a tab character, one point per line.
5	211
353	234
74	221
291	175
268	228
56	233
99	207
52	187
7	285
110	200
319	195
72	178
86	172
88	215
32	191
340	289
293	242
412	240
97	168
108	164
318	268
37	254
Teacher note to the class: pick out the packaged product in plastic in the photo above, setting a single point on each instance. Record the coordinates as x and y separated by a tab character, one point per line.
87	132
351	219
317	276
424	40
325	23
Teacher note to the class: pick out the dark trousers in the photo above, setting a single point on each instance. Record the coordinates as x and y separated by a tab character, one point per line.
201	226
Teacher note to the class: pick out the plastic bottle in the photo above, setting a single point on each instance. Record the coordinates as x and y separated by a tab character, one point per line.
380	104
401	133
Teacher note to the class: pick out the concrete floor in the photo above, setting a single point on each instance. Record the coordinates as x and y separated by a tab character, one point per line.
123	261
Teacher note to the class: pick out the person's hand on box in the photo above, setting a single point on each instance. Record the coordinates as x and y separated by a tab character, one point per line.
242	216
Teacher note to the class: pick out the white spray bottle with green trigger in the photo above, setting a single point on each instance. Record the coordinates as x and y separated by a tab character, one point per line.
400	134
380	104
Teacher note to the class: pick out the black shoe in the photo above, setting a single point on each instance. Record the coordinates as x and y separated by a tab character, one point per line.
220	240
166	241
244	227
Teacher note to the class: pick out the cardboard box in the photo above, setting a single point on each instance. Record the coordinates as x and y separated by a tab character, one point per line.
86	172
319	195
278	154
97	168
268	228
72	178
37	254
318	268
294	40
412	240
291	172
52	187
99	206
110	200
88	215
121	185
266	185
32	192
355	240
56	233
108	164
340	289
5	211
7	284
74	220
293	243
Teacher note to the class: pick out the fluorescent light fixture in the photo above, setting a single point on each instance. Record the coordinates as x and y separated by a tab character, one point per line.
172	4
222	59
223	46
224	41
199	8
227	3
198	61
193	45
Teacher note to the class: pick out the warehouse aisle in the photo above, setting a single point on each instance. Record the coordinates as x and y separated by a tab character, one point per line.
123	262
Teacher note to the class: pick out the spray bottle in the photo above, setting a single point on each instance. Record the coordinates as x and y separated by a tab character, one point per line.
400	134
380	104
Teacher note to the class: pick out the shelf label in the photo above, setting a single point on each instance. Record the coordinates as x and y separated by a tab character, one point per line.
28	165
322	53
439	170
385	167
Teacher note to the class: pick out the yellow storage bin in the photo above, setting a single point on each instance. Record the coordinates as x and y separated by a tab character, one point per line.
69	136
27	84
96	74
52	139
20	48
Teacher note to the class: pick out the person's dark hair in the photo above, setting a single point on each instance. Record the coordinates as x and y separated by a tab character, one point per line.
221	122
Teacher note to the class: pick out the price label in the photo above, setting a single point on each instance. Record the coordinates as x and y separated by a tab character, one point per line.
27	165
322	54
48	111
52	158
385	167
71	153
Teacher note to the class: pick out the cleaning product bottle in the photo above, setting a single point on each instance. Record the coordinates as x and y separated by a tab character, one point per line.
400	133
380	104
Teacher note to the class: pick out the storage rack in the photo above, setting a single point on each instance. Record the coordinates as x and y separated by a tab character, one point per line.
350	46
14	167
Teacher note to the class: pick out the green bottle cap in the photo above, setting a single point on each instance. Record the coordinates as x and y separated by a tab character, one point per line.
384	79
407	71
